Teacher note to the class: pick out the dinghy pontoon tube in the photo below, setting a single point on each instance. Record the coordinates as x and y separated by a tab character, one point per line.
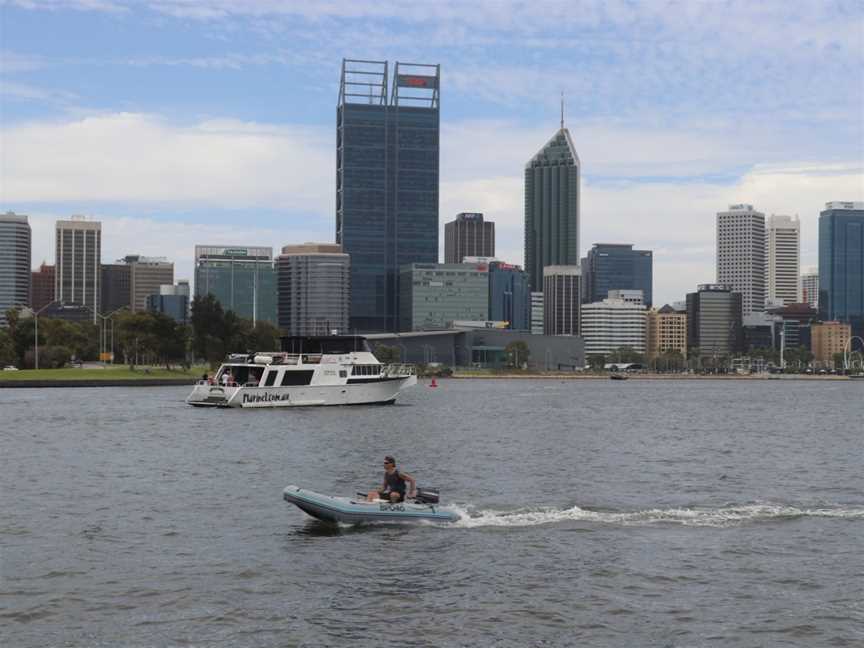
357	510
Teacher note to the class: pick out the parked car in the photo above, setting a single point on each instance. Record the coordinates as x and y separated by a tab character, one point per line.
10	368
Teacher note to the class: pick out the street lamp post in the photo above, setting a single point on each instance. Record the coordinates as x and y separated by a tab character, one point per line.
36	339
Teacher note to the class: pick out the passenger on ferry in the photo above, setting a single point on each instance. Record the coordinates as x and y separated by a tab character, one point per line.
393	487
227	378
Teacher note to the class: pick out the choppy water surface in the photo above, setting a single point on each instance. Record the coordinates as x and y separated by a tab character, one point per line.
596	512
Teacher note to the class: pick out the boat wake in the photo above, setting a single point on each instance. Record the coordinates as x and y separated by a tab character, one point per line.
726	516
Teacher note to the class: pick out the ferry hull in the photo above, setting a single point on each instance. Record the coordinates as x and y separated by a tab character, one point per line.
365	393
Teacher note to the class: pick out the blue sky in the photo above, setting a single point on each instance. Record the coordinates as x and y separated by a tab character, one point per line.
178	122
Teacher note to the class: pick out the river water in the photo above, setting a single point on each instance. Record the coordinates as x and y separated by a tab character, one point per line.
602	513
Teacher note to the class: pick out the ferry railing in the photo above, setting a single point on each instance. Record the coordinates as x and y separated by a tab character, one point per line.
398	369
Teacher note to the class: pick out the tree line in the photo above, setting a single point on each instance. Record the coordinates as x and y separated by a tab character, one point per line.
138	338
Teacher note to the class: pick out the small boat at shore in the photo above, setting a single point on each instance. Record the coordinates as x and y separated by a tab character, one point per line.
330	508
327	370
618	376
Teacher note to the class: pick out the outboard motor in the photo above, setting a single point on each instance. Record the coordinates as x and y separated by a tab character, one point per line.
428	495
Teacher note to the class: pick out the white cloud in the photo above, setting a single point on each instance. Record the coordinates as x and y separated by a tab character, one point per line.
139	158
145	162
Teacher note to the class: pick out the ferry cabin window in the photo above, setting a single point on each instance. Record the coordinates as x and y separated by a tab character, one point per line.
271	378
343	373
295	377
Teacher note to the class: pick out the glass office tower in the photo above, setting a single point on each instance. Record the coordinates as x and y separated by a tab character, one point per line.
387	149
616	266
552	207
242	279
841	264
15	273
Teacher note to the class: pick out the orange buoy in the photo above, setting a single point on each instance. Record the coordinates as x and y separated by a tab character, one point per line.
433	383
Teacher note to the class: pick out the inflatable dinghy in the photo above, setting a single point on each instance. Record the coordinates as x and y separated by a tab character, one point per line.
358	510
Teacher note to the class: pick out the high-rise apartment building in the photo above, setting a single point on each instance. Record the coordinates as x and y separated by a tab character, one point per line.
387	151
810	287
115	287
828	338
552	196
509	297
613	324
15	246
741	255
714	320
841	264
783	259
468	236
146	275
241	278
667	331
42	287
435	294
617	266
77	272
313	282
561	299
536	313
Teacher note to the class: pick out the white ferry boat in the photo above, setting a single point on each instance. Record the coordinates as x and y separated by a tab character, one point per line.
332	370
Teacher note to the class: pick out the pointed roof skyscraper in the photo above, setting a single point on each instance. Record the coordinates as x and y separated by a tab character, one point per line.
552	196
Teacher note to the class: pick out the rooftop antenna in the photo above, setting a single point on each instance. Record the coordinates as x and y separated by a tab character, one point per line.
562	110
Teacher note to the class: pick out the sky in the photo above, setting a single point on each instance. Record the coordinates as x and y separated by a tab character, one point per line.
183	122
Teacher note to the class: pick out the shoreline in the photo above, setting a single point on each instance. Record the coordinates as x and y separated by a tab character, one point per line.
572	376
95	382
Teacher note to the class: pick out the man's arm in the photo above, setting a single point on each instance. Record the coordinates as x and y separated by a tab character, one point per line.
413	491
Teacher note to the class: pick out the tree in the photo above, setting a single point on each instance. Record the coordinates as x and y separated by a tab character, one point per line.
669	360
517	354
170	338
7	349
137	337
596	361
264	336
387	354
208	324
626	354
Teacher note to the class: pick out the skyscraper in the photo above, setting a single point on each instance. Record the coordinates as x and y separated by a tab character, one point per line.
468	236
387	150
612	324
810	287
146	275
78	257
714	320
552	197
116	287
241	278
741	255
15	245
313	282
561	300
841	264
784	259
509	297
617	266
42	286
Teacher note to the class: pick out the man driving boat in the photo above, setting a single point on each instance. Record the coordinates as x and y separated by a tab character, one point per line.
393	487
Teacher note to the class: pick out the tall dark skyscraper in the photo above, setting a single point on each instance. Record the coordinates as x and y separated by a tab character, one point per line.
841	264
552	207
468	236
15	244
387	150
616	266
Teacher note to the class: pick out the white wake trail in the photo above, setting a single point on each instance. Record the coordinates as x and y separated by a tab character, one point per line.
695	516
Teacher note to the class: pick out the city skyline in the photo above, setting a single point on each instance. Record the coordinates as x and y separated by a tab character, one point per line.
222	154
